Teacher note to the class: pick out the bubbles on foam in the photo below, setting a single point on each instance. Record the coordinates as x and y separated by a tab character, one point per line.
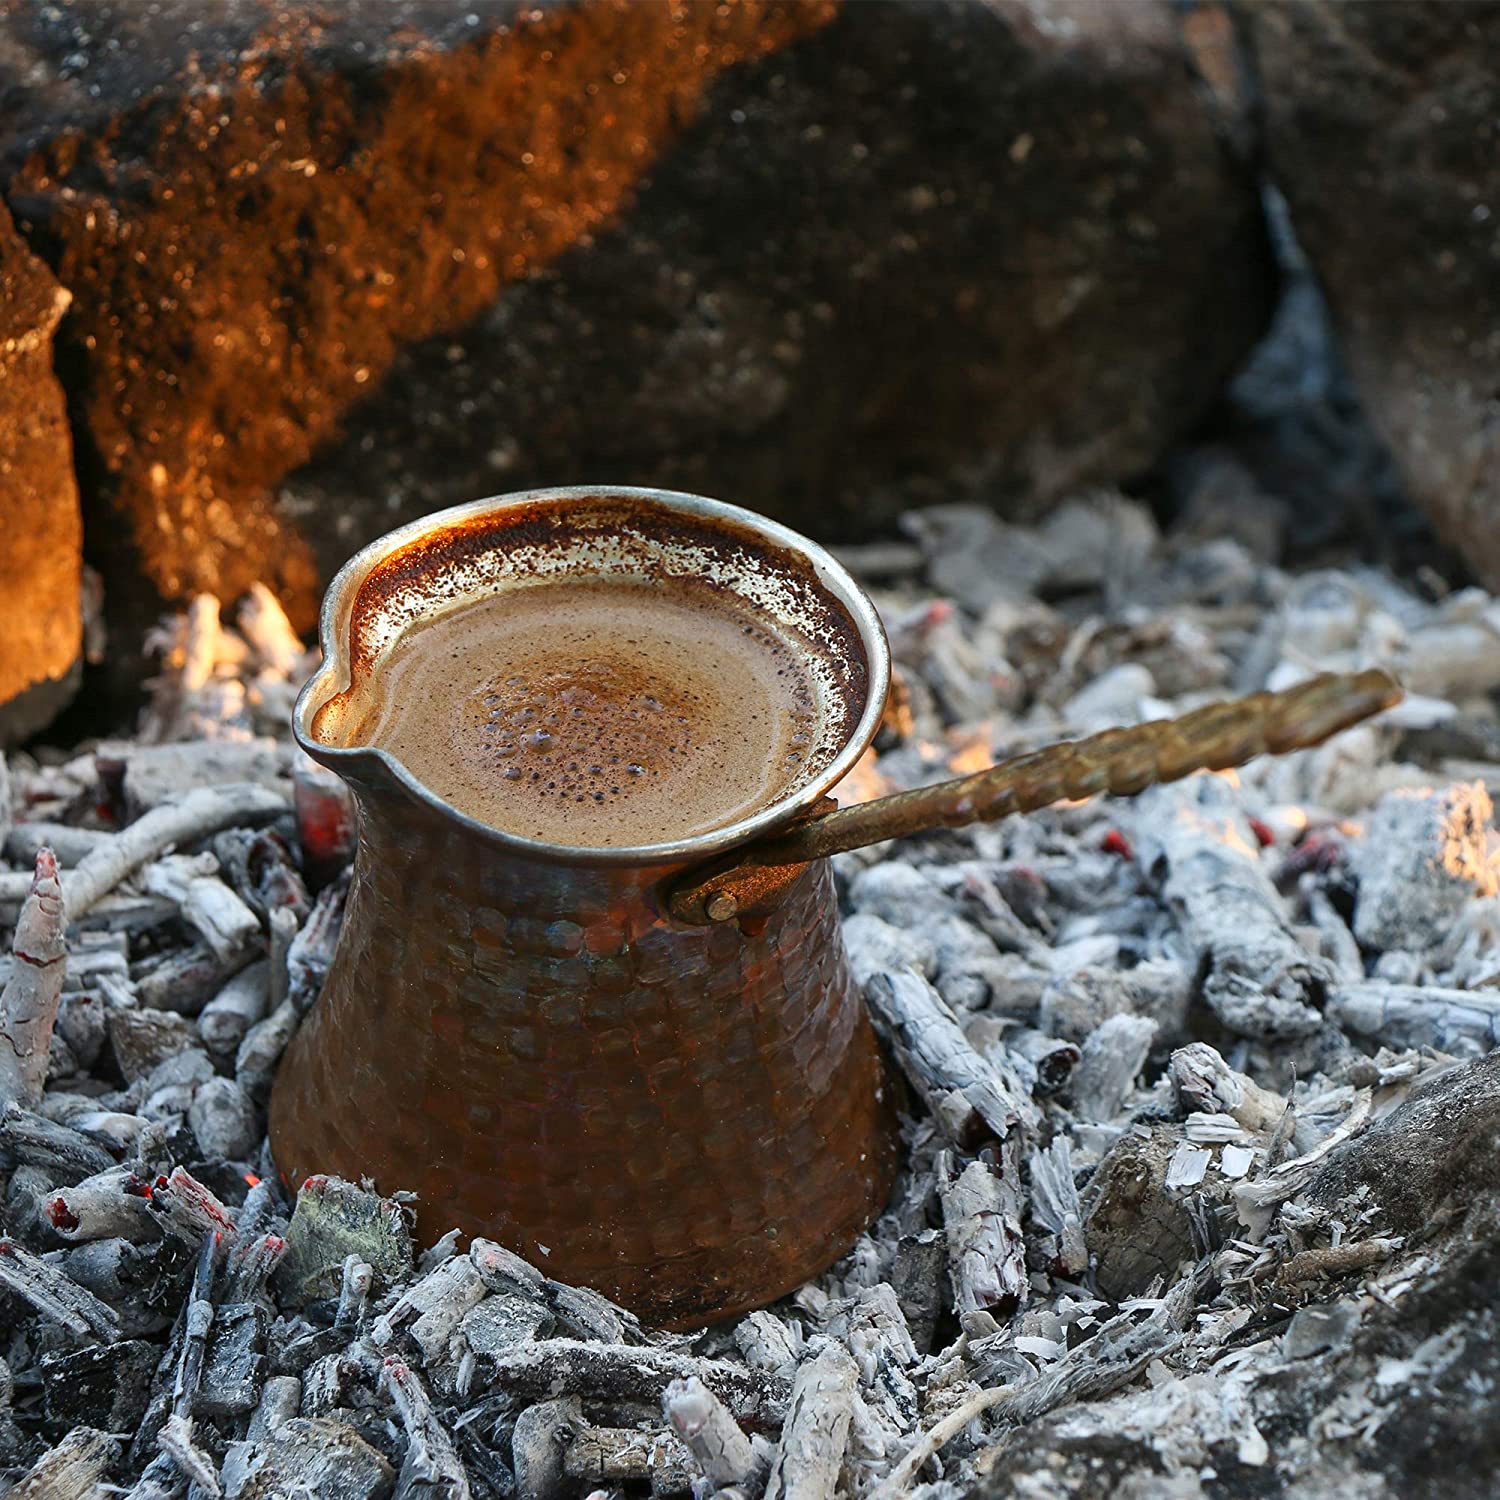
621	714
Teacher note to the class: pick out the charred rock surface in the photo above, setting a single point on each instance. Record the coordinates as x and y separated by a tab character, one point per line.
1380	128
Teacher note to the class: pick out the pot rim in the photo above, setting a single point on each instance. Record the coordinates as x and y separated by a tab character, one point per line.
350	761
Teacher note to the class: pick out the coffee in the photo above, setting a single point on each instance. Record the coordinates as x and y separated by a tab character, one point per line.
602	713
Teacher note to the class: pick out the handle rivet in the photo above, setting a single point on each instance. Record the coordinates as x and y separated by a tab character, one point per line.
720	907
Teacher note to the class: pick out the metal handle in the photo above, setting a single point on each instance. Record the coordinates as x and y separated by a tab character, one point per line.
750	881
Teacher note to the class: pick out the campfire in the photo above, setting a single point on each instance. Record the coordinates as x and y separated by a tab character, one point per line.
1153	1047
1132	358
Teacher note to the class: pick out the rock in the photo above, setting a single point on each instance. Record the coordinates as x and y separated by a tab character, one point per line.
41	621
1423	858
795	253
334	1219
1430	1161
1381	129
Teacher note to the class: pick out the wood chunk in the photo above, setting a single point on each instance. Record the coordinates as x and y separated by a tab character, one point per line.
1259	980
106	1386
55	1295
432	1467
141	1039
609	1455
307	1456
67	1154
1423	857
720	1449
28	1002
332	1220
234	1367
816	1430
629	1372
429	1312
238	1005
1111	1060
963	1091
982	1221
74	1470
499	1322
1461	1022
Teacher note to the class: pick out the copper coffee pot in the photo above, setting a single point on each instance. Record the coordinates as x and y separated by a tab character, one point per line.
646	1070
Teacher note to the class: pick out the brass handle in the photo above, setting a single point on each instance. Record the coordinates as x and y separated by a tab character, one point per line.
750	881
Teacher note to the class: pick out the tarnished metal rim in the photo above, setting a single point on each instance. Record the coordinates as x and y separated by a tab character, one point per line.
334	674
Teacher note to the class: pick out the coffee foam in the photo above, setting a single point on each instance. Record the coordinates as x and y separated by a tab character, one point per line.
605	713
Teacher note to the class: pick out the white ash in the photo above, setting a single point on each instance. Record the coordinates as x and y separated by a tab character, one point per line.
1170	1153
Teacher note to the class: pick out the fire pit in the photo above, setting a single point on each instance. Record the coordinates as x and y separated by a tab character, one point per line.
1194	1189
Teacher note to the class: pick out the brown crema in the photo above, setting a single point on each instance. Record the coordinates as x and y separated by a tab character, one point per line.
602	713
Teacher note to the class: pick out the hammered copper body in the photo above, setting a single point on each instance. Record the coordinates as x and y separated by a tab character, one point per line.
692	1120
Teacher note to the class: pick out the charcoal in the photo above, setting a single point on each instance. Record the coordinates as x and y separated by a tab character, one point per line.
106	1386
141	1039
234	1369
307	1455
334	1219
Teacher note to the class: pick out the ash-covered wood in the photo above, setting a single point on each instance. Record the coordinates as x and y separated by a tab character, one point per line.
1199	1111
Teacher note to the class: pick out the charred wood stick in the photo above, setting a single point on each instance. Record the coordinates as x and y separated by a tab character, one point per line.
1055	1205
208	906
962	1090
1412	1015
186	1208
1120	761
253	1269
26	840
982	1221
199	1321
32	1141
176	1440
184	982
354	1292
161	1479
766	1344
1113	1357
255	1062
109	1205
239	1004
429	1312
720	1448
311	950
816	1430
432	1465
630	1372
1259	980
28	1003
55	1295
195	815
